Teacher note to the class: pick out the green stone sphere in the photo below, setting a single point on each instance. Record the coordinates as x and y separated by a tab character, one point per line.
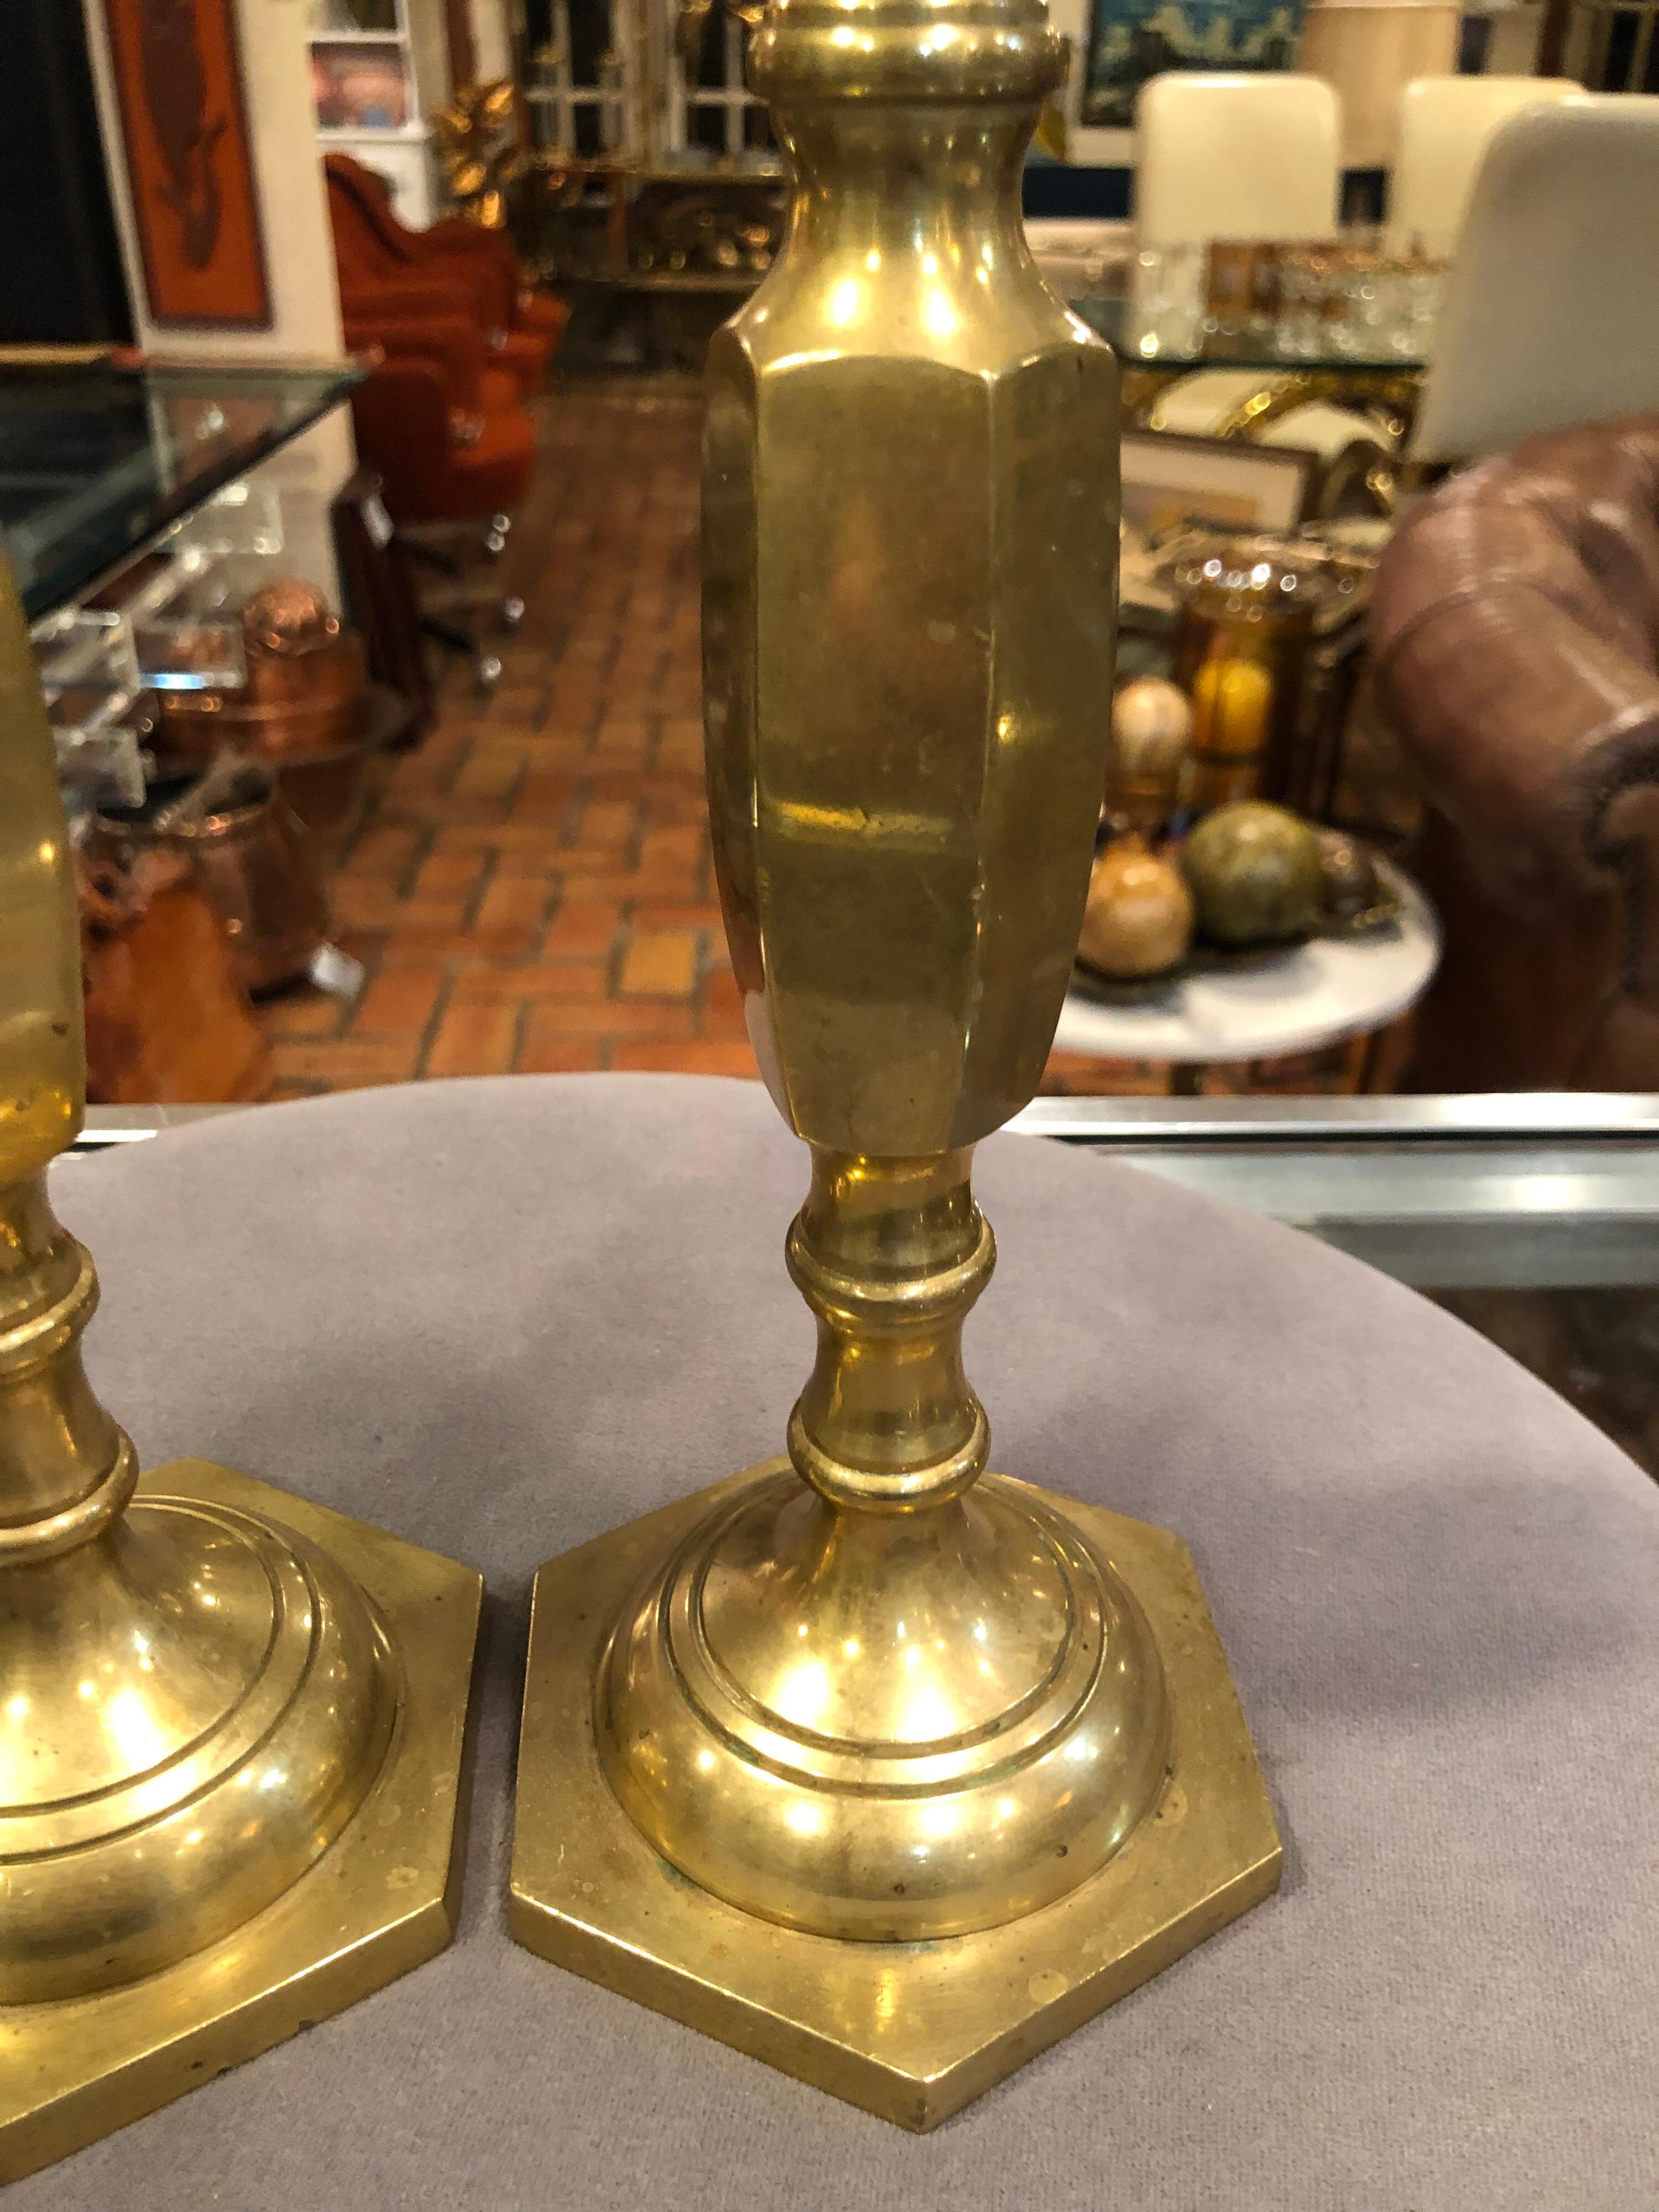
1253	871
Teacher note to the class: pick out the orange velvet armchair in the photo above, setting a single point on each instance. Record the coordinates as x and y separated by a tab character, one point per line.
441	418
519	326
434	470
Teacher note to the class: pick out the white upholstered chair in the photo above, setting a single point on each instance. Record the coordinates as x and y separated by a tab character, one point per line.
1444	126
1236	157
1551	318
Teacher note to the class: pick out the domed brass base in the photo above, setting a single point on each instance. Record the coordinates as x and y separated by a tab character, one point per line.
884	1726
909	2029
196	1705
284	1835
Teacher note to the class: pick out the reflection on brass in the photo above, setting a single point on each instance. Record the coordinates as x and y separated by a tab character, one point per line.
950	1763
205	1711
1053	135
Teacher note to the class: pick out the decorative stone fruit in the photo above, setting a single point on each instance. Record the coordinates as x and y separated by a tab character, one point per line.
1139	920
1151	725
1348	878
1152	721
1253	871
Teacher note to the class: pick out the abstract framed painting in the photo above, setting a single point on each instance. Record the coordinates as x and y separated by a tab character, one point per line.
190	163
1130	40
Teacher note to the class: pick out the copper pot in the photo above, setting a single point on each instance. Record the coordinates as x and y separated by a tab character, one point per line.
323	788
304	679
252	858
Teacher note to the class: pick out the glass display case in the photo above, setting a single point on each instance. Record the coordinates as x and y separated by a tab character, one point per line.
97	461
136	524
146	536
659	174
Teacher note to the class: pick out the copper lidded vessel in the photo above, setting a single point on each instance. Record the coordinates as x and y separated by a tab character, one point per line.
306	674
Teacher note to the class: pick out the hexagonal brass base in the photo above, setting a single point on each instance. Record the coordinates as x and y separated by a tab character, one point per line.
382	1899
911	2031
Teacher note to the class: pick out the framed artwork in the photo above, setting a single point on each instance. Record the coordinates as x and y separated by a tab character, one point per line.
1130	40
349	16
358	84
1172	481
179	76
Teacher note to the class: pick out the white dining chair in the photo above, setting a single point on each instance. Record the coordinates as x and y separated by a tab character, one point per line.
1236	157
1551	317
1444	127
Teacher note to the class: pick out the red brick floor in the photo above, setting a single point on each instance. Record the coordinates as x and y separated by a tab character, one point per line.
532	889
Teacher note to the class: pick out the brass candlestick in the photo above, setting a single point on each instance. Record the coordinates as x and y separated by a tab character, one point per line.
951	1762
231	1723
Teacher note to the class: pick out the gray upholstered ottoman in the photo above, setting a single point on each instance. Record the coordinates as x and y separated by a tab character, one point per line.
500	1317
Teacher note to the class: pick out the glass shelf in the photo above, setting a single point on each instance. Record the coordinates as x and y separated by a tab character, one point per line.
95	461
1532	1190
1110	319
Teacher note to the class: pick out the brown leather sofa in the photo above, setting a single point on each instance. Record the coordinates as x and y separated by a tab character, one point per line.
1514	633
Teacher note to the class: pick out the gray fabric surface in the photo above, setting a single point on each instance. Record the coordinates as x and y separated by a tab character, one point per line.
501	1317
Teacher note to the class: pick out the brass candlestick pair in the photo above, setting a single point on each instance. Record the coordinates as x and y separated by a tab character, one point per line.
231	1723
886	1769
950	1763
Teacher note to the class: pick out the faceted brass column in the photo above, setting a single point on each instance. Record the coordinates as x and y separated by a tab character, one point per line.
886	1706
950	1763
217	1704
